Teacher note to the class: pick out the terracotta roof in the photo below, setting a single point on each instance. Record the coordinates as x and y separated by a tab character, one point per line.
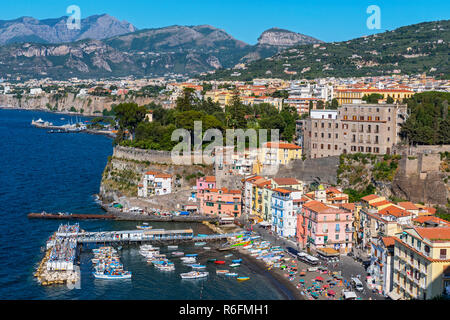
281	190
286	181
380	203
423	219
393	210
210	179
348	206
370	197
434	234
388	241
163	175
280	145
316	206
408	205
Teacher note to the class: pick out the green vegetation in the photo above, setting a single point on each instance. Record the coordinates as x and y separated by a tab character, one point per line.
411	49
355	196
189	108
373	98
442	213
428	122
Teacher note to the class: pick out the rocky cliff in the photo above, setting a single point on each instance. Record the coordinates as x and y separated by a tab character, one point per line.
284	38
86	105
56	31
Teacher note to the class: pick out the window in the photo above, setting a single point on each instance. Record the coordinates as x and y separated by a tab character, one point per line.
337	237
443	254
338	227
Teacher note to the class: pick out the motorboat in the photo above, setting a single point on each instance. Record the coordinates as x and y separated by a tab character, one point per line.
231	274
112	275
188	260
191	255
144	226
219	262
172	247
199	244
222	271
206	248
198	266
234	265
242	279
194	275
178	253
237	261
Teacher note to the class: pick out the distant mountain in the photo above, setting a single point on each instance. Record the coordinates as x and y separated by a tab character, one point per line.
28	29
284	38
274	40
413	49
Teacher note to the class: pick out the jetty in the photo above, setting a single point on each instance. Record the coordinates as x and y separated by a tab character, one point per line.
64	246
71	216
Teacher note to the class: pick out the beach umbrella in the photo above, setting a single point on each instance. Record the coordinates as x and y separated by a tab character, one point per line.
319	279
302	280
331	292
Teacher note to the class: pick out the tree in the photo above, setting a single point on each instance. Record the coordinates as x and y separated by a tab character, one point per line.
235	112
129	115
187	100
389	99
334	104
372	98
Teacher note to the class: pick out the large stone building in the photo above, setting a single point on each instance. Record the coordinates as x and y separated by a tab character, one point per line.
367	128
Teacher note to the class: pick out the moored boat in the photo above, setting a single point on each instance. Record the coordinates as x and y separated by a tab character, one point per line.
199	244
234	265
222	271
231	274
194	275
198	266
219	262
237	261
242	279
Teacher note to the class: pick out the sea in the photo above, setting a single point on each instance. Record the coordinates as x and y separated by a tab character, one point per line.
61	173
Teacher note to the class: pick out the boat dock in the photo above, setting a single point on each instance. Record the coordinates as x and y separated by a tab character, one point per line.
64	246
72	216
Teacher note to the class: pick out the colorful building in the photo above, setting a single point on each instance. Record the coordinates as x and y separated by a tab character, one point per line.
220	202
155	183
422	263
284	217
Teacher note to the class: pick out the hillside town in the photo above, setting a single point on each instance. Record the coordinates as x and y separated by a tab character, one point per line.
404	246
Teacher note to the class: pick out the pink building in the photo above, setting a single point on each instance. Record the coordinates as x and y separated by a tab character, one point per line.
208	182
324	226
220	202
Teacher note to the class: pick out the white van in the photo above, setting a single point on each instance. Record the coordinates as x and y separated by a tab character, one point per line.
357	284
349	295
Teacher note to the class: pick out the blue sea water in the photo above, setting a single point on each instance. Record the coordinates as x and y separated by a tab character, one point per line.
61	172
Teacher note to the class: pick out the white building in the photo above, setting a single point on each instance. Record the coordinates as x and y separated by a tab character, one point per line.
35	91
155	183
284	216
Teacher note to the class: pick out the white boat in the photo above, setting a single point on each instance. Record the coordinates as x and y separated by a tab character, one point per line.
144	226
199	244
207	248
188	260
234	265
198	266
178	253
194	275
172	247
231	274
119	276
222	271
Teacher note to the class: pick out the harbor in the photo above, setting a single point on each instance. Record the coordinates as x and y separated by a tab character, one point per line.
63	248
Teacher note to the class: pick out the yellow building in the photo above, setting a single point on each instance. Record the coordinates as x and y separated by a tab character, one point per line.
257	205
349	96
223	97
279	153
422	263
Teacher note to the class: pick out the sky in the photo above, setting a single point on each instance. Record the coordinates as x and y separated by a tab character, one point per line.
327	20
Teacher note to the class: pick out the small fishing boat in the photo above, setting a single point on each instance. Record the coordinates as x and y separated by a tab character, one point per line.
113	275
234	265
228	255
188	260
198	266
212	260
206	248
178	253
231	274
165	267
199	244
194	275
237	261
222	271
219	262
242	278
172	247
144	227
191	255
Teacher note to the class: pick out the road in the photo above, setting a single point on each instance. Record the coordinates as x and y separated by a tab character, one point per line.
347	265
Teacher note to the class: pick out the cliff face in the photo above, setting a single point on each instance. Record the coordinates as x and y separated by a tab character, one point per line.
284	38
86	105
125	170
